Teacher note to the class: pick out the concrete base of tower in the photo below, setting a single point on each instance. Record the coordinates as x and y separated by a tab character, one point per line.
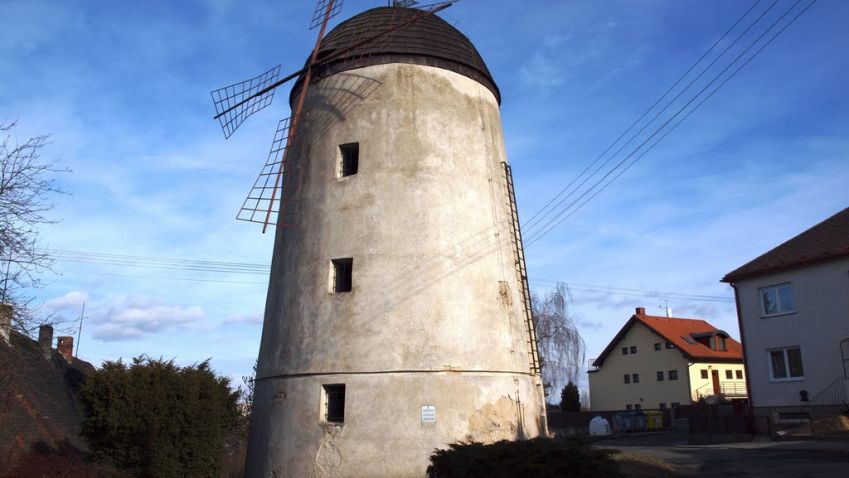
391	422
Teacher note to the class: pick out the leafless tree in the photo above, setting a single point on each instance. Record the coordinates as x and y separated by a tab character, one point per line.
561	348
26	186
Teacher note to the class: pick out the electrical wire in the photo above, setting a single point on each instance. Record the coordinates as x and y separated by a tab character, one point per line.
536	217
559	218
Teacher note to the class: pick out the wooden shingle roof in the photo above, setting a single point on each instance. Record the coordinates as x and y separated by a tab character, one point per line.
429	40
827	240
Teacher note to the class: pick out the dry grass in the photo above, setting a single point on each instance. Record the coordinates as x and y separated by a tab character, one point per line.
636	465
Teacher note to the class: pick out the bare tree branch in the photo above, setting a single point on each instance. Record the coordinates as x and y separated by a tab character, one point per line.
26	184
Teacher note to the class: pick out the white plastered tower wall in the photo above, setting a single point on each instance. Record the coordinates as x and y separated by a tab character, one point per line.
435	315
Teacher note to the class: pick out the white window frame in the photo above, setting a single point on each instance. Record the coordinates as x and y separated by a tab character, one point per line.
788	378
778	301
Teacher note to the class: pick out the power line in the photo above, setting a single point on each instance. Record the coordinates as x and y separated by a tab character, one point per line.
632	292
559	218
687	115
541	230
536	217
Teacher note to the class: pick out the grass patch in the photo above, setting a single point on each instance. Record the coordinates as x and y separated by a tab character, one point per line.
636	465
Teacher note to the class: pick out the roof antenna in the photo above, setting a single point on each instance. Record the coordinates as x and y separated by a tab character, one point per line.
665	306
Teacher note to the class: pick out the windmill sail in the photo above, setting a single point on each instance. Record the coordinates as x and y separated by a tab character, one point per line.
225	98
261	198
321	11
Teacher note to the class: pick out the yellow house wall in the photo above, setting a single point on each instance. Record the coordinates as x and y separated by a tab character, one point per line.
696	380
608	390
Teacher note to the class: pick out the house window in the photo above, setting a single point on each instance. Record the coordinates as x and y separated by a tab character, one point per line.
637	406
657	346
673	374
333	398
662	405
633	349
342	274
786	364
624	350
349	159
739	375
670	345
729	374
627	378
704	374
777	299
635	377
660	376
718	343
628	407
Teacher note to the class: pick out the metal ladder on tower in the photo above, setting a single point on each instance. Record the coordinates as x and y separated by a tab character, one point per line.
521	270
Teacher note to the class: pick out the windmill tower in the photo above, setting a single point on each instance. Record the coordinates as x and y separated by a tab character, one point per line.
397	318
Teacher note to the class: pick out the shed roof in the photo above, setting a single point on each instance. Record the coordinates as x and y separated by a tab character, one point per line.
677	331
429	40
826	240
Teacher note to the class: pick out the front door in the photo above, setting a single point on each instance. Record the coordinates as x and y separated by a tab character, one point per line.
716	388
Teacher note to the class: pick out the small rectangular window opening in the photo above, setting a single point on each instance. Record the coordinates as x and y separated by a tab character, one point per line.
660	376
350	161
635	377
624	350
657	346
334	403
673	374
342	274
633	349
627	378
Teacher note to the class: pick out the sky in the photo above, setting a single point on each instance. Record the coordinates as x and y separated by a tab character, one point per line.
123	90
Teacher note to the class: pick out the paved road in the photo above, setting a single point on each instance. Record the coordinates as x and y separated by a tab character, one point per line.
760	458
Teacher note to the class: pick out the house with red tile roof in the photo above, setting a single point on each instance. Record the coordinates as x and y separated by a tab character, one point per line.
659	362
793	310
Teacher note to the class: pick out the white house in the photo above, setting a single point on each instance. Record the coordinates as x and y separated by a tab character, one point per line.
793	309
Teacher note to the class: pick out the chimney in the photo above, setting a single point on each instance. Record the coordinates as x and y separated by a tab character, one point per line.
668	312
641	311
65	346
45	340
5	322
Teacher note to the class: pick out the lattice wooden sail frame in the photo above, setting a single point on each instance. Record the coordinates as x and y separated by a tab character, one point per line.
244	92
235	103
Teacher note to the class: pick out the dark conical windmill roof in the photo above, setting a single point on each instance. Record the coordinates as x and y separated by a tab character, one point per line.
429	41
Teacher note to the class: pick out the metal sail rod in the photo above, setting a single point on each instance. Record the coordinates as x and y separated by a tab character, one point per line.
332	57
297	115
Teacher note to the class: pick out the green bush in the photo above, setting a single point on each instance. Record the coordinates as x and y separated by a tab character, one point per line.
158	419
539	457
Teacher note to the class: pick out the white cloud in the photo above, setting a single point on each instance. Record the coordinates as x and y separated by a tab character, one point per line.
126	317
72	300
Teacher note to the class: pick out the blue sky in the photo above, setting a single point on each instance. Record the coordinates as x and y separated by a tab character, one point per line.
123	87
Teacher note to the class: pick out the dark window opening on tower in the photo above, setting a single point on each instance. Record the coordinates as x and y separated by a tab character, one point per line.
350	159
334	403
342	274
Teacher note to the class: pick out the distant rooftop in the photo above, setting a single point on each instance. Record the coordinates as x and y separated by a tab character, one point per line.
827	240
686	335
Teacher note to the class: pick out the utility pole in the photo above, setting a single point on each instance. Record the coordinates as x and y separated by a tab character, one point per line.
80	331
